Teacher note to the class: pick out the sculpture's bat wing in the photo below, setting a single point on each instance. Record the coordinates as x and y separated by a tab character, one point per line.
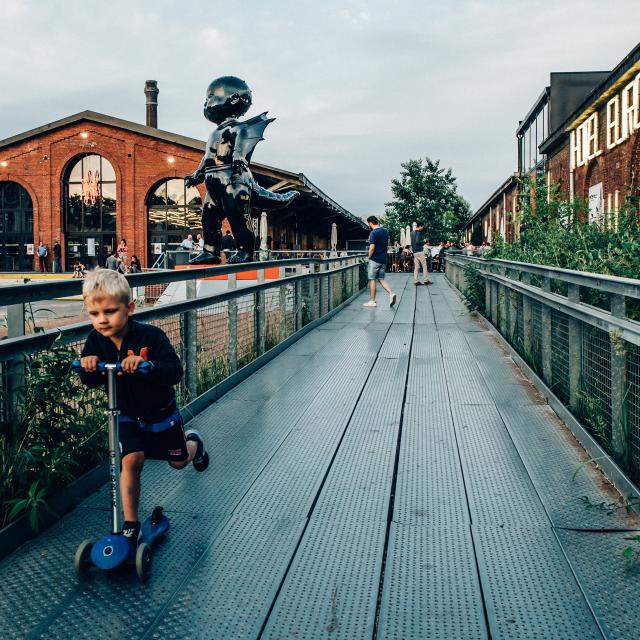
250	134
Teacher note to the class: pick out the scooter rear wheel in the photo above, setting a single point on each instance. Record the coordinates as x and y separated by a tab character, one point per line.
82	559
143	561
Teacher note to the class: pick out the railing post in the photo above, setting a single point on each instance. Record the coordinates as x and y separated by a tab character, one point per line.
503	292
15	372
282	306
619	439
494	299
330	287
355	276
259	322
189	343
545	339
232	326
512	301
575	348
527	317
322	290
298	300
487	294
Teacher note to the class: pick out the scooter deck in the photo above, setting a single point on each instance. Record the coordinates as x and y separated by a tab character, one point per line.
150	532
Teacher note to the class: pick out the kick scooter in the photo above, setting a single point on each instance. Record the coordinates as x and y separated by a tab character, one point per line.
114	549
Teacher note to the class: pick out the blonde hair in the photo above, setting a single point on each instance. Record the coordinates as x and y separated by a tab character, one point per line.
102	283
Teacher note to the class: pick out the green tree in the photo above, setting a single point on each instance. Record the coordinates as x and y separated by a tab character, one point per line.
425	192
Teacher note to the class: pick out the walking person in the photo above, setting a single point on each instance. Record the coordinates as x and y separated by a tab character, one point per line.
378	242
57	257
43	252
111	261
419	259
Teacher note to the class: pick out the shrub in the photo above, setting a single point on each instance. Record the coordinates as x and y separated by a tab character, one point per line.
474	294
53	435
557	233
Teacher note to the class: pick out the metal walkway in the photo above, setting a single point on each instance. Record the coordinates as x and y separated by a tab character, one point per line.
391	475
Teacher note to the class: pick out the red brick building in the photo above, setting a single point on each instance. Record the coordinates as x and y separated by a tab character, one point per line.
90	180
595	153
543	142
496	216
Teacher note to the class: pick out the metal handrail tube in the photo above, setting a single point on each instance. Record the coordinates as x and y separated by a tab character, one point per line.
628	287
35	291
44	340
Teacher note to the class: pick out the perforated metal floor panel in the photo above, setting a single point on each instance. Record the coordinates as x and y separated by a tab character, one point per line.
289	481
612	589
230	591
530	591
430	487
572	495
431	587
499	489
331	589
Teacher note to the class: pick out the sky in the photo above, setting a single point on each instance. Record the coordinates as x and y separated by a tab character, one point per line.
357	86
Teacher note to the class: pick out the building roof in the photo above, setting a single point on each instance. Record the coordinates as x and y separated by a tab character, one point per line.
505	186
626	68
281	179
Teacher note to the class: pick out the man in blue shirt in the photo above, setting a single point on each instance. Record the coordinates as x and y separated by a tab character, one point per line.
378	242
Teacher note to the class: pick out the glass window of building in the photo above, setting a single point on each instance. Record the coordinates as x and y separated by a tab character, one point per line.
174	211
16	228
89	211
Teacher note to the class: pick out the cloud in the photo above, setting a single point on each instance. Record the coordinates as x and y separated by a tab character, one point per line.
357	87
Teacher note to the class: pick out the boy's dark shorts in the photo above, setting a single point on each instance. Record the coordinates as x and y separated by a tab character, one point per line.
169	444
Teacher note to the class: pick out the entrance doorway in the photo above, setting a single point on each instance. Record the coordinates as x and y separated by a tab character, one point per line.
16	228
90	249
89	211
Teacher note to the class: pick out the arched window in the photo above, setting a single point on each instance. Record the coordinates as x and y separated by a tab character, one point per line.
89	210
174	211
16	227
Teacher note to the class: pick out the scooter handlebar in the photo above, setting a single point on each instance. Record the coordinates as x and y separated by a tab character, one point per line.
143	367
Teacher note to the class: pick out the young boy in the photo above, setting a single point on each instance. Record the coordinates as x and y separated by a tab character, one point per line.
150	422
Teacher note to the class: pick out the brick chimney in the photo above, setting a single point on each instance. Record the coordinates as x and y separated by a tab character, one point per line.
151	91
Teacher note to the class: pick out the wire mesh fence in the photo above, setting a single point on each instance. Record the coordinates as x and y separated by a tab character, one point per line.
632	406
535	356
581	336
596	379
559	382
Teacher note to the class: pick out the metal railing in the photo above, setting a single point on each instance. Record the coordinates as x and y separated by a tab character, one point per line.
579	334
168	258
216	335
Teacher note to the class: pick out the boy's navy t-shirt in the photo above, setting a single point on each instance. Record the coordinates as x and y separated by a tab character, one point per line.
380	238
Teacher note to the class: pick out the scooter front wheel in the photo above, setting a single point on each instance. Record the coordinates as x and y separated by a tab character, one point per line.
143	561
82	559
